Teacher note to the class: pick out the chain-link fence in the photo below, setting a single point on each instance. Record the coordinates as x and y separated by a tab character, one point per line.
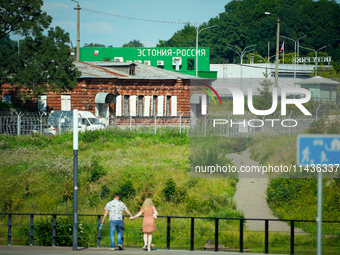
21	123
24	123
155	124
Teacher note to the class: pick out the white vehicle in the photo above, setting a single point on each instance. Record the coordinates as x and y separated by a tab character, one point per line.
63	120
89	122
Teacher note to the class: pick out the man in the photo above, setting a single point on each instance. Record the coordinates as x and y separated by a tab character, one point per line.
115	210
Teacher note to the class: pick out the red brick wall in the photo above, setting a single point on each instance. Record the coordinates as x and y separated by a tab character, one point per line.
85	92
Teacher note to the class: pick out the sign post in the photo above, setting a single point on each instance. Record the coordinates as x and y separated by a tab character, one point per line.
75	179
320	152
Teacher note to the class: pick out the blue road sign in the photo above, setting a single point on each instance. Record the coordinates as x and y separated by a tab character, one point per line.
318	149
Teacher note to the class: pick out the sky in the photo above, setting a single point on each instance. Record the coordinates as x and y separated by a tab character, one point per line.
111	30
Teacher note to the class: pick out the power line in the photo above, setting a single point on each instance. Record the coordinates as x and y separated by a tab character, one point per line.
127	17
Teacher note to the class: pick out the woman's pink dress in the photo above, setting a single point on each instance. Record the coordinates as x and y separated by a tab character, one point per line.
149	224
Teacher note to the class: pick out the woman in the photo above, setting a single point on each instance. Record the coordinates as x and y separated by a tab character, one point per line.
149	225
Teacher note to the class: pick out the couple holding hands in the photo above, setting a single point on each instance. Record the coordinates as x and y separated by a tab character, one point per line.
115	210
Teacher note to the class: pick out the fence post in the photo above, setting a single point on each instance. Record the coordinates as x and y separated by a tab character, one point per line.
262	129
155	124
54	230
9	235
192	234
292	237
98	231
289	125
31	230
180	122
241	235
168	220
130	122
59	125
19	125
266	238
216	234
41	131
316	112
205	124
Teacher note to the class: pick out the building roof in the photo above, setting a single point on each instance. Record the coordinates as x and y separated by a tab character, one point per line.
100	69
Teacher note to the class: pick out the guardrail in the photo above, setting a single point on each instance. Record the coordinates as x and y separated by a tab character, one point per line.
168	236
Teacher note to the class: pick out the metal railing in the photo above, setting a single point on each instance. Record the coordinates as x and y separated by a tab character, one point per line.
169	229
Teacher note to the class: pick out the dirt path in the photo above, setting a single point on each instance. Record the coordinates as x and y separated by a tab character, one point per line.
250	196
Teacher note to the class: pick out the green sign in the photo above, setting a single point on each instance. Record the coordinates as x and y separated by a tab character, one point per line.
166	58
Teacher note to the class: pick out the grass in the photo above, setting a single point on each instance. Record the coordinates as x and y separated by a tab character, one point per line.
36	177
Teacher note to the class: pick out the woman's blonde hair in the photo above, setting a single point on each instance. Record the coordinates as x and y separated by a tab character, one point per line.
147	204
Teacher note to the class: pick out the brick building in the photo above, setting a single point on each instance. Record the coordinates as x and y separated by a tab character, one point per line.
118	92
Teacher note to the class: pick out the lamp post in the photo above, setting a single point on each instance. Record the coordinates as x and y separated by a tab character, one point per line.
277	49
316	56
78	30
241	53
294	51
264	59
197	33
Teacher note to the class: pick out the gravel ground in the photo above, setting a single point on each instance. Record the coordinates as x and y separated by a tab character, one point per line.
250	196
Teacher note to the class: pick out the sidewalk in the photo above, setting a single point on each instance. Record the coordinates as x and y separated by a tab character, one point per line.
33	250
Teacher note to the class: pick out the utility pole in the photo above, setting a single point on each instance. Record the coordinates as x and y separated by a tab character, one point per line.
78	30
277	49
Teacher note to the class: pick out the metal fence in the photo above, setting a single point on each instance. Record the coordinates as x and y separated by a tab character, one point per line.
210	124
155	124
30	123
220	234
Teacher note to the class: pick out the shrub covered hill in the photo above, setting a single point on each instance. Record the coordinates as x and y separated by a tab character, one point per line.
36	174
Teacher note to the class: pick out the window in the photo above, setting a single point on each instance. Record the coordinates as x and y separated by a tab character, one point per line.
42	103
173	105
119	105
126	105
140	106
154	106
66	102
133	105
147	105
6	99
160	106
167	106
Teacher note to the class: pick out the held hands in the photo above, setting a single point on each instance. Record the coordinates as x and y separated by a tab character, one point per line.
131	218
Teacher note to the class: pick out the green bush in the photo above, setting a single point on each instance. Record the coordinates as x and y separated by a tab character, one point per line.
43	232
333	127
232	145
105	191
94	169
169	190
316	127
126	190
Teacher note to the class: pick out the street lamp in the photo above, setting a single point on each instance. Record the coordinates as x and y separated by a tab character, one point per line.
316	56
294	51
241	52
277	48
197	33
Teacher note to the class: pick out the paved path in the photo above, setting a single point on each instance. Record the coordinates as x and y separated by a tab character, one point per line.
250	196
37	250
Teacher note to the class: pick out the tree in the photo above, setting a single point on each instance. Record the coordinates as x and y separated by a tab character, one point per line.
244	23
43	62
134	43
23	16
